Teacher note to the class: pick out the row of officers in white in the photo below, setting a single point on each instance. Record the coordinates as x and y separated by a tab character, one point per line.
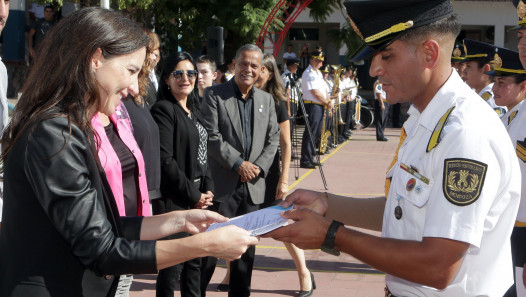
453	218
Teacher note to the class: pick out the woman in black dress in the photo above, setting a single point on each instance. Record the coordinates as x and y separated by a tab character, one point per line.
277	181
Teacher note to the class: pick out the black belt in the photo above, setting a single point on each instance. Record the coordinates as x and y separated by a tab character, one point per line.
388	293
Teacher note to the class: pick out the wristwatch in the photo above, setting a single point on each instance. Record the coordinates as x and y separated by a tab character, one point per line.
328	243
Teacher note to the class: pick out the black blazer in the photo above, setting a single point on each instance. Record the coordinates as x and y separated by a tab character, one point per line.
61	228
179	144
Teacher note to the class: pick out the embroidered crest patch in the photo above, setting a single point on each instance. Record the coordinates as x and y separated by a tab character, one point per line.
463	180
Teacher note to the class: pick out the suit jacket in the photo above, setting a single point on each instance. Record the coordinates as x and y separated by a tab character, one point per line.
222	120
61	230
179	145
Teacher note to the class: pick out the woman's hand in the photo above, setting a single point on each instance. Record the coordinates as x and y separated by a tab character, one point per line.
282	190
205	201
196	220
229	242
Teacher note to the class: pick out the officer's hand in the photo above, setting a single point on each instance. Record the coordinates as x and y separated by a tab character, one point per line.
315	201
307	232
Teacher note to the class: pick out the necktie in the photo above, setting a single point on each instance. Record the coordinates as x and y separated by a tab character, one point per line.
403	135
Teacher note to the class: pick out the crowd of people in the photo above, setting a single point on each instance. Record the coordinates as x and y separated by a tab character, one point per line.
110	169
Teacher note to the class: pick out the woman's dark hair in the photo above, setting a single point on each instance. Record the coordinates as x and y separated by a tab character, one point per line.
170	63
62	78
519	78
275	84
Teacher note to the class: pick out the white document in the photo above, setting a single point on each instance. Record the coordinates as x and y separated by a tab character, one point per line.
519	284
258	222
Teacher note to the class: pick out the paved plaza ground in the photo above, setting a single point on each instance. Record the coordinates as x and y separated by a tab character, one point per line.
355	168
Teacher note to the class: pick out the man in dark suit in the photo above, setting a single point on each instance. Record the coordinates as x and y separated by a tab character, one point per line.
243	138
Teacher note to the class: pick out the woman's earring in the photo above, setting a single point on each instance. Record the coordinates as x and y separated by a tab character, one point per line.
168	87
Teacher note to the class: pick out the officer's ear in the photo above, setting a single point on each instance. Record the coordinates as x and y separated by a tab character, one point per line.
523	87
486	68
431	50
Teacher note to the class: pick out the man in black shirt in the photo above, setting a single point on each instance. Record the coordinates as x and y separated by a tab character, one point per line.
243	138
39	29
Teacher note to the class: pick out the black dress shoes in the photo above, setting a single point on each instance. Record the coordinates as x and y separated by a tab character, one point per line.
307	165
223	288
383	139
308	293
316	163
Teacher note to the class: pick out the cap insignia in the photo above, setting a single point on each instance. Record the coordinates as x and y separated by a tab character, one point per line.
457	53
521	10
354	27
497	62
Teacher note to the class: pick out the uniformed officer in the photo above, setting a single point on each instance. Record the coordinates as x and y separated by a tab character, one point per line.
454	185
349	87
381	111
509	90
292	85
478	57
521	30
458	60
316	97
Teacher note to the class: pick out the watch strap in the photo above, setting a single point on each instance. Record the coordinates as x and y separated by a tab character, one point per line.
328	243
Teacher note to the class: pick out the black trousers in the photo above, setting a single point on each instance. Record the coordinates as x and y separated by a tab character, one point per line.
241	269
380	118
188	272
315	113
518	254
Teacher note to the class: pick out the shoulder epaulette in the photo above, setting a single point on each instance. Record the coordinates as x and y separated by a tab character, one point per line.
486	95
435	137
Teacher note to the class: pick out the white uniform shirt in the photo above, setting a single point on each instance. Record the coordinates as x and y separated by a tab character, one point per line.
288	56
487	94
511	115
312	79
517	132
479	157
351	86
378	90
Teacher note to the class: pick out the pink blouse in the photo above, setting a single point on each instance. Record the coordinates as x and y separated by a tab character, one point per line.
110	161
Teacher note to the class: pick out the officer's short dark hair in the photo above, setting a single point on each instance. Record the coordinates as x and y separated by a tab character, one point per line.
447	26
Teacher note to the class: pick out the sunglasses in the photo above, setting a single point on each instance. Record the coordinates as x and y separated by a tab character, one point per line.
178	74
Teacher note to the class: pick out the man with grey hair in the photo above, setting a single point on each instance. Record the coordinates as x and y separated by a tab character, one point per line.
243	138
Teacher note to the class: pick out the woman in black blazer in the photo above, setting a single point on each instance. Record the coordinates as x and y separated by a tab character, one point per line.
61	232
185	176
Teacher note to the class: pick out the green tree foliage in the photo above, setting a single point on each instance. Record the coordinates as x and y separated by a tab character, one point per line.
183	23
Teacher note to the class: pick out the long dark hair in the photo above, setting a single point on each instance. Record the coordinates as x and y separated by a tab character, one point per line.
62	79
275	84
169	65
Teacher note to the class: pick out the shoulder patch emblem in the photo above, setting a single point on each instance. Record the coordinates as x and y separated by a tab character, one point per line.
520	150
463	180
486	96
